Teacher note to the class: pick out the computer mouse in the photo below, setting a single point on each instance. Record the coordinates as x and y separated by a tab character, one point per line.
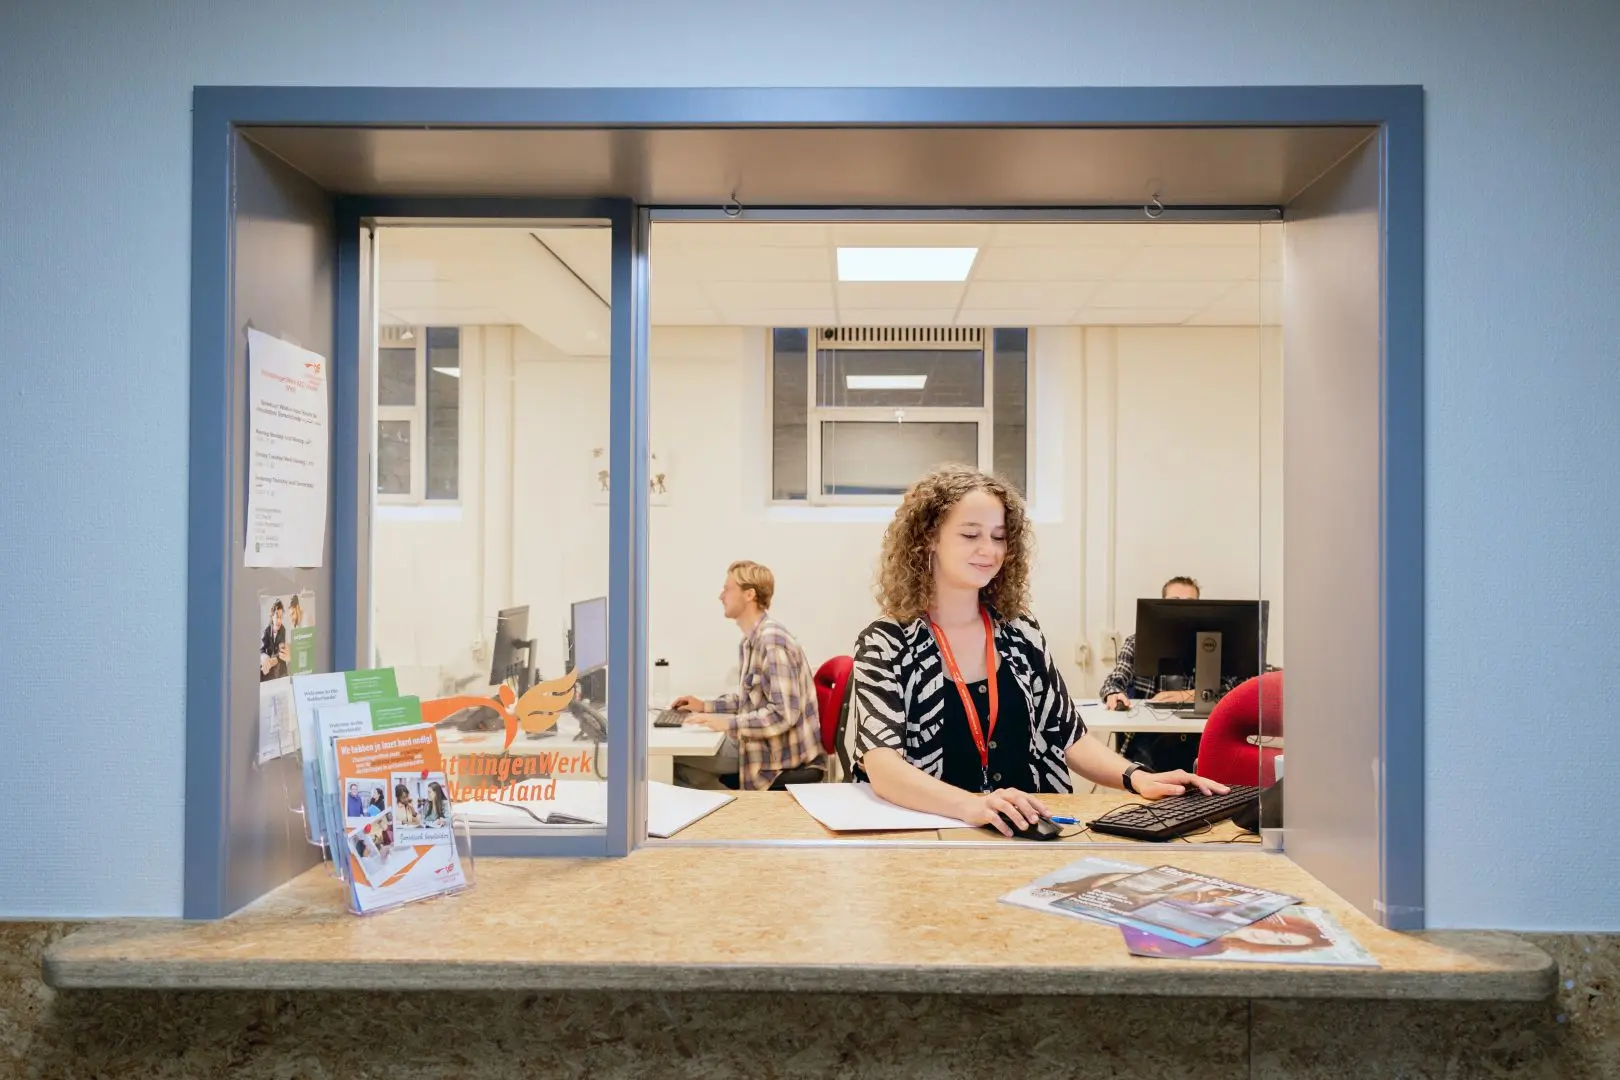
1042	829
476	718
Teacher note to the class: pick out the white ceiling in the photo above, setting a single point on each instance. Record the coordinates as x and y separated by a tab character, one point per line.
554	281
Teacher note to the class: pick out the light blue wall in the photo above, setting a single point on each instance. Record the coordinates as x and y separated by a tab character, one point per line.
1524	369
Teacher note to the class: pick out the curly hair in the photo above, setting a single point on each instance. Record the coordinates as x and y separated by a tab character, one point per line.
905	580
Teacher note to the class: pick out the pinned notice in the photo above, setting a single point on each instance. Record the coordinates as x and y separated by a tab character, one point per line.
287	454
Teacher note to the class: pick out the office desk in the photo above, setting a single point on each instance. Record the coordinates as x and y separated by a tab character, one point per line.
664	745
776	816
1105	721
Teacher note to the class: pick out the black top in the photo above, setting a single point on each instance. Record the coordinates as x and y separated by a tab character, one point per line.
1009	747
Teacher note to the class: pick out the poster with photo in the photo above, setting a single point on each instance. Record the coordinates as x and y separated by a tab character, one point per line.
283	647
286	640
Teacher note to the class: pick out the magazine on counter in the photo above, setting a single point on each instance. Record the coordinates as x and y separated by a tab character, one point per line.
1177	904
1077	877
1294	935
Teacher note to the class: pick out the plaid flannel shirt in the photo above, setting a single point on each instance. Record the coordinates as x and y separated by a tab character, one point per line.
773	718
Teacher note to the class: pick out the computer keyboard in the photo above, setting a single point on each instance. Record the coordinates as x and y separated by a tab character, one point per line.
1176	816
670	718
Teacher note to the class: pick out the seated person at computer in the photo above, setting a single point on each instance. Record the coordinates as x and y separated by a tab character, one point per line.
1117	689
958	706
771	723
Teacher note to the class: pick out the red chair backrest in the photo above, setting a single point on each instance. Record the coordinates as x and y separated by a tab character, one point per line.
832	683
1225	753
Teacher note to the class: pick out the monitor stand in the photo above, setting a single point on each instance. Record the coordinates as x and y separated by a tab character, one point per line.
524	673
1207	674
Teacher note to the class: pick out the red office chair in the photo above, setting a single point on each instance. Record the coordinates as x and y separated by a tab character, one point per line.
1226	754
832	684
832	681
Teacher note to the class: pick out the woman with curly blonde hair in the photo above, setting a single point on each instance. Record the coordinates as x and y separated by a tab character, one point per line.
957	705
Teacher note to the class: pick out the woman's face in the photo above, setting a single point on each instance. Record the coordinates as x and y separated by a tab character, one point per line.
1276	939
972	542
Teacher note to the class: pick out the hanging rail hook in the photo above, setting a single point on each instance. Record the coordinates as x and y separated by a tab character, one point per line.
1154	208
731	207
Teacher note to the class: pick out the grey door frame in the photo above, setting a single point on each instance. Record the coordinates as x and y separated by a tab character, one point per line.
218	113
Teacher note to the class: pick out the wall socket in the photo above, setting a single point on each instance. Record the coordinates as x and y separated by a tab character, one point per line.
1082	655
1111	643
477	648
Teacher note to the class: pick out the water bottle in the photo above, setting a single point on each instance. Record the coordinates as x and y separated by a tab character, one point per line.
660	683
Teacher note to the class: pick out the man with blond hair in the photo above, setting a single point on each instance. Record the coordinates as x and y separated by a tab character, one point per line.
771	723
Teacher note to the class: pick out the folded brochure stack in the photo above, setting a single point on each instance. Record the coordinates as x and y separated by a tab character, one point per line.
383	804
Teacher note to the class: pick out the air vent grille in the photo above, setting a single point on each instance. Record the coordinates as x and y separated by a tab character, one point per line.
393	335
904	335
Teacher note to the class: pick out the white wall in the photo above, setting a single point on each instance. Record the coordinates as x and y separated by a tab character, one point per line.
1192	451
1521	127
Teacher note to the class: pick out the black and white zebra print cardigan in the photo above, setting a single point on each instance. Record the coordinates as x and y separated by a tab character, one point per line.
897	699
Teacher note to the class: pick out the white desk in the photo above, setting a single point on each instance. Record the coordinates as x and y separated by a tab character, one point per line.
664	745
1105	721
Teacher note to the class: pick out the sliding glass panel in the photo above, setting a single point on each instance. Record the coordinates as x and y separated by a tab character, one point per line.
490	556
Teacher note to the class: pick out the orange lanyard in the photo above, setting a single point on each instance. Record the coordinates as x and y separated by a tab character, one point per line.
979	737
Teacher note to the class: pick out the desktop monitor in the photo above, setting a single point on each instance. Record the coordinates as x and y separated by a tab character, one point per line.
1208	643
511	656
587	647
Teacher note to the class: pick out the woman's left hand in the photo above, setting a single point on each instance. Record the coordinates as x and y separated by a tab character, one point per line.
1155	786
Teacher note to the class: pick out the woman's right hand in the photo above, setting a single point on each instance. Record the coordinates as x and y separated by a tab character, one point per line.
688	703
1117	702
1017	807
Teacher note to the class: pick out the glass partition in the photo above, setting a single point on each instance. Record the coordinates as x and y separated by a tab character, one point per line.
1122	378
490	538
1270	764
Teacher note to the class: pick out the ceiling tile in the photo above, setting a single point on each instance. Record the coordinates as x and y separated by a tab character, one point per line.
1093	316
674	316
727	295
911	234
1079	234
710	234
1190	295
745	264
1049	263
1204	234
896	317
587	252
899	294
1193	264
768	316
1029	294
1058	316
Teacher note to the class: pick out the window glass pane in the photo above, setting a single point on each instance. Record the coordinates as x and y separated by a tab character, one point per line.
790	392
443	412
1009	433
913	378
394	457
870	458
396	376
504	584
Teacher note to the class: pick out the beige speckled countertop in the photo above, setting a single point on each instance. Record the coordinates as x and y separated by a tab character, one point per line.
856	919
774	815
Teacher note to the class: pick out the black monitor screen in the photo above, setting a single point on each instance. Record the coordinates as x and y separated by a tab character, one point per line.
1166	631
511	630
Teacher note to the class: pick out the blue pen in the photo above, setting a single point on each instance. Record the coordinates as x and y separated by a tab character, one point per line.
1063	820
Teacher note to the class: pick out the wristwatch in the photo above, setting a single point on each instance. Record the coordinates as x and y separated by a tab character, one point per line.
1130	787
